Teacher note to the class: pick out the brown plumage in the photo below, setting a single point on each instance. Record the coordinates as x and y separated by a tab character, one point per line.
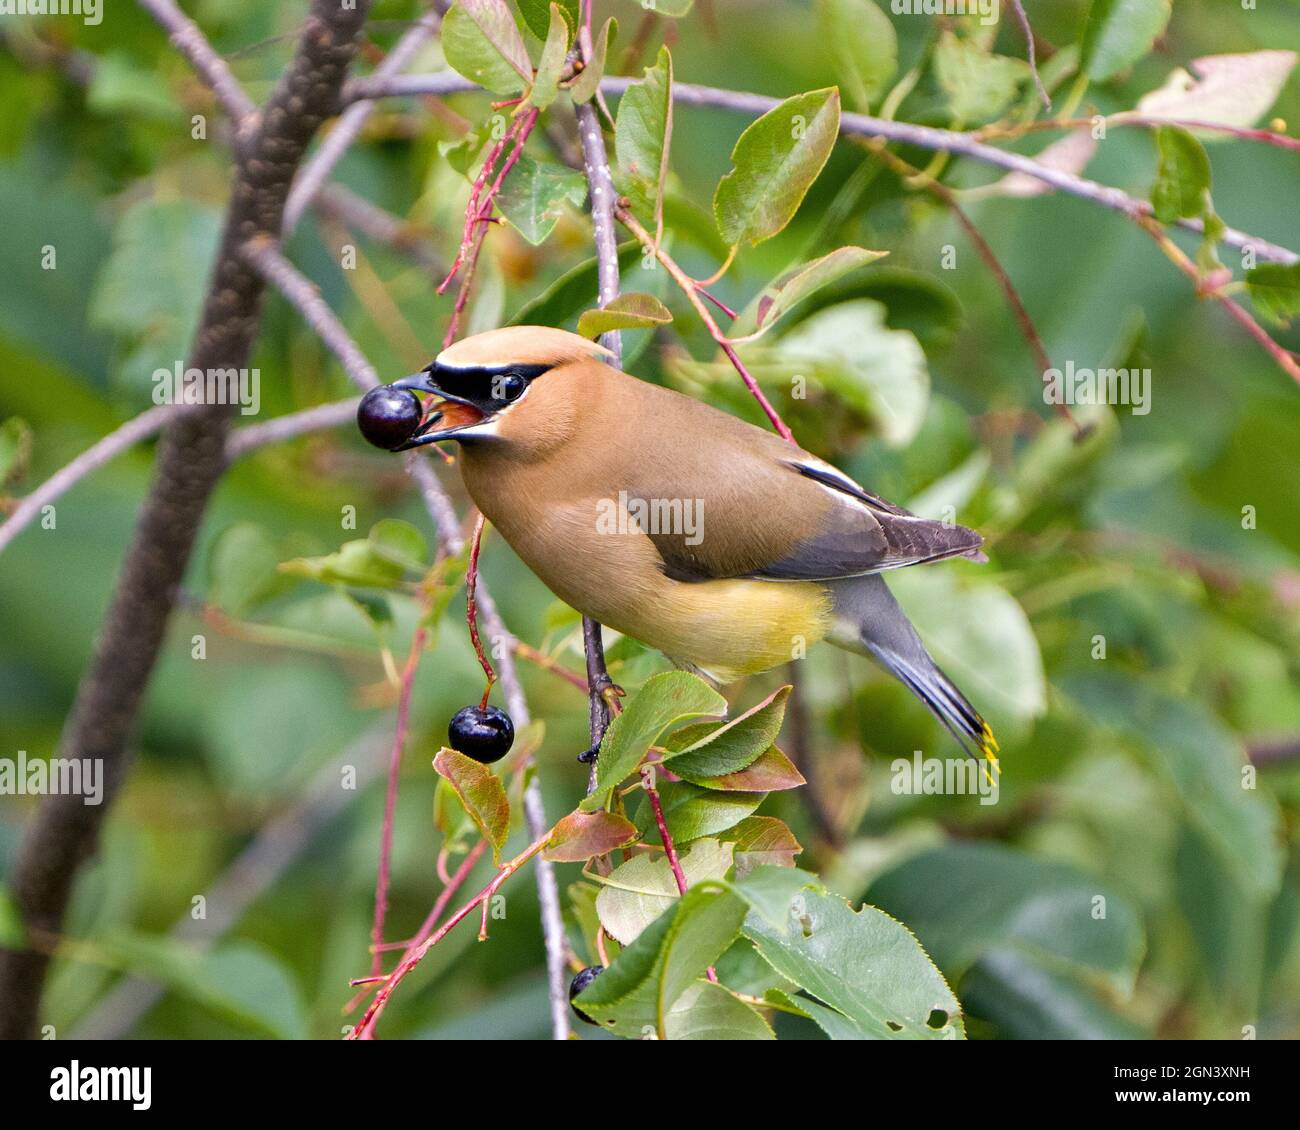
768	549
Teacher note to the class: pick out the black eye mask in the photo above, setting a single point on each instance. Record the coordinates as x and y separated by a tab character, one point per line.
488	388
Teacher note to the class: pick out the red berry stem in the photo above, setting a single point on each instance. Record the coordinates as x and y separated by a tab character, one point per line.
471	609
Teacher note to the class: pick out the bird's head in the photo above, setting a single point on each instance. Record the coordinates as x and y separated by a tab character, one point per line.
489	386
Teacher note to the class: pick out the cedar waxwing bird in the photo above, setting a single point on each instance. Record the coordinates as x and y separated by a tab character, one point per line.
712	540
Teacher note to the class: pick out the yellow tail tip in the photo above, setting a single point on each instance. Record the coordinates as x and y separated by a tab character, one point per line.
990	749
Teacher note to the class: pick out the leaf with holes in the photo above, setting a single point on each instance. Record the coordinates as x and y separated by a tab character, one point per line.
775	163
481	792
867	974
580	835
626	312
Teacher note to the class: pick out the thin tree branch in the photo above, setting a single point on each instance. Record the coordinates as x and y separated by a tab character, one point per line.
863	125
356	212
320	418
186	37
600	190
1023	19
64	831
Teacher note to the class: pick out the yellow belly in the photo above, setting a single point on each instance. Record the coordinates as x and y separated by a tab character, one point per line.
727	629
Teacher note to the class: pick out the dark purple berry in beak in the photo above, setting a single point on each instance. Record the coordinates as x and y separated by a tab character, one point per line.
388	416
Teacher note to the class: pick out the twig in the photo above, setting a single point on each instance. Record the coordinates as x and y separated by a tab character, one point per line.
186	37
356	212
190	461
688	288
290	426
1133	118
471	609
863	125
139	428
316	172
384	871
1210	289
415	955
1019	9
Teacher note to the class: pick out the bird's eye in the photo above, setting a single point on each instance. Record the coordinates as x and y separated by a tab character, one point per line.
509	386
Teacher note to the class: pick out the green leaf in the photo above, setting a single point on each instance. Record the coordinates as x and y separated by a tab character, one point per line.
482	794
550	66
979	85
762	841
1275	291
15	450
1118	33
626	312
1182	182
535	193
537	14
243	568
864	966
665	700
1230	90
863	45
400	543
981	637
775	162
637	892
691	812
706	1011
482	42
849	350
770	772
584	87
778	298
966	899
580	835
634	996
707	750
642	137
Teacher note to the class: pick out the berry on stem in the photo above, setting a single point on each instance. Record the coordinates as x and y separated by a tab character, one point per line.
484	733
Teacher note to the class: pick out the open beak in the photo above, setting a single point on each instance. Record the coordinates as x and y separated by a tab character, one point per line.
446	416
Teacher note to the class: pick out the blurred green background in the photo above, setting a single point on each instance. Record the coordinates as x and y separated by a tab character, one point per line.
1121	776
